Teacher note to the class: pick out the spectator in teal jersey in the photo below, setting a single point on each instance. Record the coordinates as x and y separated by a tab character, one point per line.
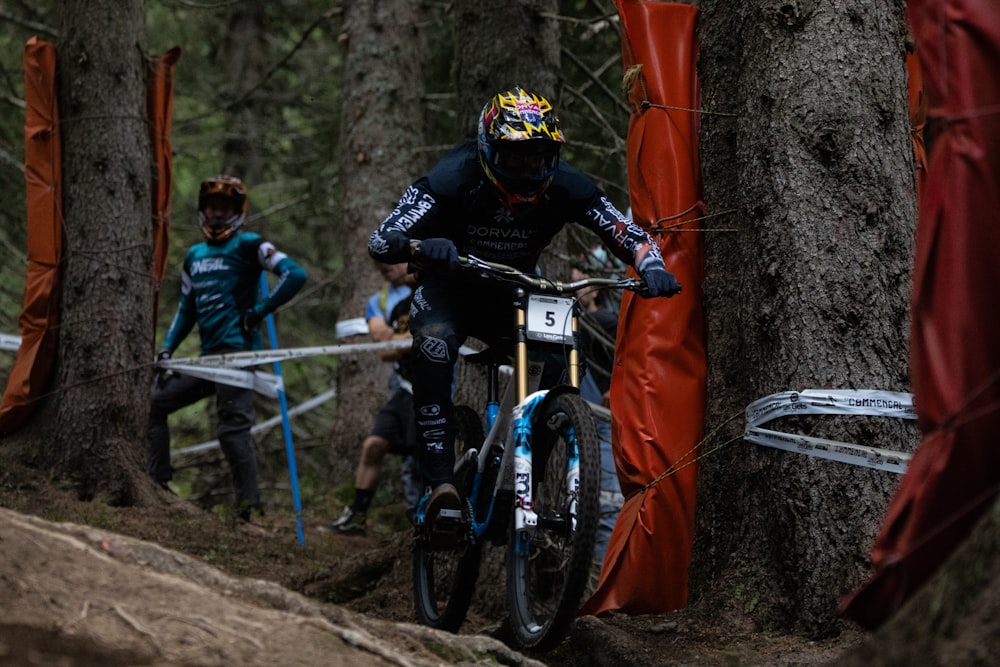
220	293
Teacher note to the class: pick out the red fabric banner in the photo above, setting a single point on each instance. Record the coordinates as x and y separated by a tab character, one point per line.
954	357
658	385
160	111
39	321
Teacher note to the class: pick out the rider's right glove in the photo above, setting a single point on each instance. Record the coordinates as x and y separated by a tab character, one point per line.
250	322
659	281
161	375
440	251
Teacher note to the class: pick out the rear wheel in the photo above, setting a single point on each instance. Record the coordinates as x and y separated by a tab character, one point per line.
444	581
548	566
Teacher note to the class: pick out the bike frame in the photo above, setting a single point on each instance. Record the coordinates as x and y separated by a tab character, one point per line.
549	537
509	418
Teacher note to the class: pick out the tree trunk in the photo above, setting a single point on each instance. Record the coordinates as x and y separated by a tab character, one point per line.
808	180
101	398
526	53
488	58
496	48
380	132
246	61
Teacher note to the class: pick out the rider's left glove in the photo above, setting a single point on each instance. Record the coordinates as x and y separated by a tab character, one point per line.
440	251
161	375
659	281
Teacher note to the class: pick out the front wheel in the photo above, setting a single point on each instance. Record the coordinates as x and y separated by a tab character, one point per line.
548	566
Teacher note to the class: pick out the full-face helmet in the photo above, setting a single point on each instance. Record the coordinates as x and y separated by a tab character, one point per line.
519	142
217	227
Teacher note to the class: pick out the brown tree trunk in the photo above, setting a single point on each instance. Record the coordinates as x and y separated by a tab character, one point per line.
99	411
499	47
245	56
525	53
381	130
808	181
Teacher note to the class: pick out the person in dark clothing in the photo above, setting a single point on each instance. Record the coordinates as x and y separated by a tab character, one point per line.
502	198
220	285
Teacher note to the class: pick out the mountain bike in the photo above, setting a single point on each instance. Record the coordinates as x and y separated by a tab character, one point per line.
532	482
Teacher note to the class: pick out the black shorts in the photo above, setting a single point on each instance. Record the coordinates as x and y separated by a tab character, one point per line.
396	423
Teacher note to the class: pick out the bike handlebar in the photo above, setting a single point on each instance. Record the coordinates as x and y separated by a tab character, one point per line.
539	283
545	285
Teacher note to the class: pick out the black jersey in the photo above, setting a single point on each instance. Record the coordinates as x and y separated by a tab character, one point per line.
455	201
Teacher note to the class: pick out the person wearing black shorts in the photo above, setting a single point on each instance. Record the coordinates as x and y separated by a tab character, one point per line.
394	430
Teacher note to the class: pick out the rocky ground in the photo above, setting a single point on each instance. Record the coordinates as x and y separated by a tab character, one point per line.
82	584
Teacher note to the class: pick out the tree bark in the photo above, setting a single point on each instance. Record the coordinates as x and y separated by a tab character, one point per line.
101	401
516	44
246	56
380	132
808	180
488	58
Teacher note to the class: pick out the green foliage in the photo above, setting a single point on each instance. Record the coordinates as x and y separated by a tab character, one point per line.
592	105
285	116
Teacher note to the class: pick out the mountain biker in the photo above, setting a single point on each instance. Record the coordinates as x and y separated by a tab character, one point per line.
502	198
394	431
220	282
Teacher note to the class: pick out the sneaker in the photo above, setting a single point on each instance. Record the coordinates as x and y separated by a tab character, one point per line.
443	517
245	509
350	522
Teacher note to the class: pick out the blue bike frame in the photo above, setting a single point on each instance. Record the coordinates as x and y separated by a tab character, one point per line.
509	427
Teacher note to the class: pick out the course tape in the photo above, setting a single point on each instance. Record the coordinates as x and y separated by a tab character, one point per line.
255	357
267	384
353	327
226	368
264	425
831	402
9	343
343	328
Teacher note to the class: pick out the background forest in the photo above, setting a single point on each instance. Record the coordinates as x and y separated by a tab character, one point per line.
259	92
328	110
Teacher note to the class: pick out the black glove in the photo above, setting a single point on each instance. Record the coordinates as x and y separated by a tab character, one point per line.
250	322
441	251
659	282
161	375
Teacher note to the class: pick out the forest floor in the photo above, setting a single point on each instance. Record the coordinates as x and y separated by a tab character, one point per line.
368	575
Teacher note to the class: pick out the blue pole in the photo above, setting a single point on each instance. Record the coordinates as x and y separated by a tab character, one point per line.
285	422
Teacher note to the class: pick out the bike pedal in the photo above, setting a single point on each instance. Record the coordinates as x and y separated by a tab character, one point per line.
449	514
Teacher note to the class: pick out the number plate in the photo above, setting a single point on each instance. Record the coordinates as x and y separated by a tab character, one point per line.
550	318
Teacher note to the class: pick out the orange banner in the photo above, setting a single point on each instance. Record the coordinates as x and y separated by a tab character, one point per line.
160	111
39	321
658	385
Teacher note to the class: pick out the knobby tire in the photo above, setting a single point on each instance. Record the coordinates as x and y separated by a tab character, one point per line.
548	567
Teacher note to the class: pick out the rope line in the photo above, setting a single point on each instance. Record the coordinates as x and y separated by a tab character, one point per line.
675	467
